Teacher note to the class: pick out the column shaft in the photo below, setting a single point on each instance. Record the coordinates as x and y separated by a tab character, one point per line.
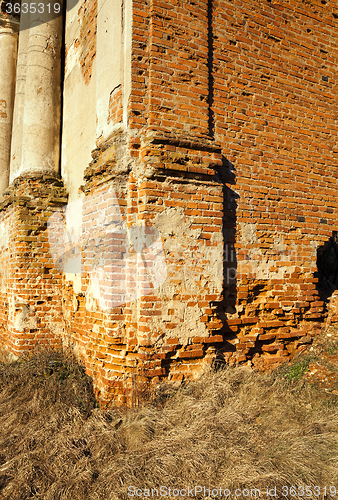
21	67
42	107
8	56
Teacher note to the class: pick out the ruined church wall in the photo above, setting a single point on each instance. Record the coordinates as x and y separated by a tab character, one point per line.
211	135
256	80
275	105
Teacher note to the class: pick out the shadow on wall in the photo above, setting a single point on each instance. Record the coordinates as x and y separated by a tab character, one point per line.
228	304
327	265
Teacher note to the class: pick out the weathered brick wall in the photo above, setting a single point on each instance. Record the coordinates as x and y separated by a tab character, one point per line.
115	110
275	105
4	263
271	103
230	155
30	285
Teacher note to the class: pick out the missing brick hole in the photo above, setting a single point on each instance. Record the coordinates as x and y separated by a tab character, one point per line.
327	267
219	363
335	15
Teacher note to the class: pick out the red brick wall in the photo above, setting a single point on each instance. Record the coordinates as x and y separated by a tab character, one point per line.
170	66
115	110
275	106
4	277
30	283
270	100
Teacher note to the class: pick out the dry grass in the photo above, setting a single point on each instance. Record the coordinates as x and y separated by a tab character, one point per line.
233	428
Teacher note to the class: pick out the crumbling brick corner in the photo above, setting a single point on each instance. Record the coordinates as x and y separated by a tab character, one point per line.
31	288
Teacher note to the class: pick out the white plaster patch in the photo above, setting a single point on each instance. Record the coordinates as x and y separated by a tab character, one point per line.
262	265
4	235
72	58
248	232
173	222
91	295
193	327
22	313
74	220
278	244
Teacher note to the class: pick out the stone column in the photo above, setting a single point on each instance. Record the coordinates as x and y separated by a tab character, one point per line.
42	107
16	146
8	56
34	296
